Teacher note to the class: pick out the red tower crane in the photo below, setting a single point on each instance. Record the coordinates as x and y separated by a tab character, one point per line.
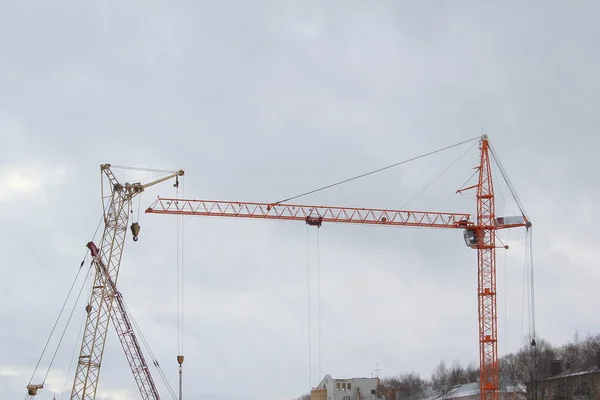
479	234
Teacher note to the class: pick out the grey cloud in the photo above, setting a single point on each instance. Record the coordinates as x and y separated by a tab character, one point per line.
263	101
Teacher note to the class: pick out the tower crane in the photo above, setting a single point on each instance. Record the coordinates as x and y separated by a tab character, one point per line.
117	201
479	234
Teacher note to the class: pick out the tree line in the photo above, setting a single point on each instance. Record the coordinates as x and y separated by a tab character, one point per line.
527	366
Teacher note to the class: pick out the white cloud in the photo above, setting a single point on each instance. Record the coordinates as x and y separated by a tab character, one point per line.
55	383
8	371
115	394
29	182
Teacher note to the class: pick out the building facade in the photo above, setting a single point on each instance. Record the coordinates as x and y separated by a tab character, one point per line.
566	383
346	389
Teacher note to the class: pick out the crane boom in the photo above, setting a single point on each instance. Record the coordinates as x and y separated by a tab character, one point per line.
479	234
126	334
116	218
313	215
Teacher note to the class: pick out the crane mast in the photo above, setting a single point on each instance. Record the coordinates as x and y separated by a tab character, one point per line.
126	334
479	234
486	260
99	308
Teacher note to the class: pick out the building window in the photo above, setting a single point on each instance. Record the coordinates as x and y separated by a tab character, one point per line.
344	386
337	386
349	386
372	391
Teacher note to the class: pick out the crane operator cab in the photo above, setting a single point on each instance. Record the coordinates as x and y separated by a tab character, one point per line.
470	238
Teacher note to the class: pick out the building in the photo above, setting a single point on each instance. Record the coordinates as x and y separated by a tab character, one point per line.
346	389
568	383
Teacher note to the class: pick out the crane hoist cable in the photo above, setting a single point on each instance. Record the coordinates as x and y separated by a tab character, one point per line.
309	299
319	296
139	333
508	182
161	171
182	265
439	176
524	295
528	280
376	171
404	205
71	363
531	289
58	319
178	233
83	285
64	331
309	306
61	312
180	285
505	244
528	304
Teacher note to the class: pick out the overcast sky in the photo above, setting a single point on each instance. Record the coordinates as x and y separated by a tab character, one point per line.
260	101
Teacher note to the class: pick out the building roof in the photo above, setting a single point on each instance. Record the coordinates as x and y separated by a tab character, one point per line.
329	377
573	372
469	389
472	389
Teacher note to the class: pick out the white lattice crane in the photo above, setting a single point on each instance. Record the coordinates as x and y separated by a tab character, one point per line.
117	204
116	219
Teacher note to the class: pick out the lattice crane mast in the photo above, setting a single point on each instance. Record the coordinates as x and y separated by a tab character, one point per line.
117	207
126	335
125	332
479	234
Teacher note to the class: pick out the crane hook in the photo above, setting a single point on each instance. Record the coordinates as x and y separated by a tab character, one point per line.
135	230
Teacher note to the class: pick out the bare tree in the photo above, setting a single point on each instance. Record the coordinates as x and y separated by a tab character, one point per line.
411	385
472	373
529	366
440	379
457	375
